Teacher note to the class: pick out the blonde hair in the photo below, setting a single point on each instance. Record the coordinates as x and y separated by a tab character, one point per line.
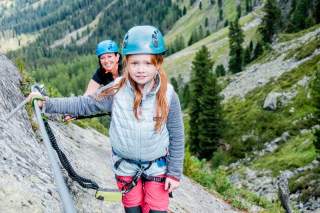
162	108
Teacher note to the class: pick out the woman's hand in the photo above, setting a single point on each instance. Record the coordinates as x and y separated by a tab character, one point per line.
171	184
37	96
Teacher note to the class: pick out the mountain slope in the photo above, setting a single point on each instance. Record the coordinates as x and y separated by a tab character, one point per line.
217	43
275	141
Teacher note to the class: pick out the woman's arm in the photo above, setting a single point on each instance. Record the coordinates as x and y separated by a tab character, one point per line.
93	86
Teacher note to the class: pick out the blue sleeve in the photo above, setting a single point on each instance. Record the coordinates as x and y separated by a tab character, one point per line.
176	137
82	105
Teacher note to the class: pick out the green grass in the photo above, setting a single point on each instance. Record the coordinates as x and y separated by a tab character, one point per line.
297	152
192	20
217	181
283	37
217	43
195	17
247	116
308	183
304	50
92	123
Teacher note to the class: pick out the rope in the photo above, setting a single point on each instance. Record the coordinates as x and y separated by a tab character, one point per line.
84	182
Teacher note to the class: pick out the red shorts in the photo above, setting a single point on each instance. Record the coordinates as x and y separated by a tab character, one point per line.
148	195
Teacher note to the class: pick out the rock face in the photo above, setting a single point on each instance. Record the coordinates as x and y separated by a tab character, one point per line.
26	182
26	179
258	75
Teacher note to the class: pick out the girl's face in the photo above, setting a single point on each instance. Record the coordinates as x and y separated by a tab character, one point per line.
109	61
141	69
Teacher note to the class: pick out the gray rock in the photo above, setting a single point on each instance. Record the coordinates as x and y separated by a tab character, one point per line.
292	110
316	127
285	136
271	101
286	97
304	82
304	131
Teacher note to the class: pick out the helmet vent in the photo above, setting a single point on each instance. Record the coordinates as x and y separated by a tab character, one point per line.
125	41
155	38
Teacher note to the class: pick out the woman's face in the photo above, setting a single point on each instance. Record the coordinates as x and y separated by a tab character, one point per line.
140	68
109	61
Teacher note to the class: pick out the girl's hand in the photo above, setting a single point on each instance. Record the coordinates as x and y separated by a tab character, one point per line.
37	96
171	184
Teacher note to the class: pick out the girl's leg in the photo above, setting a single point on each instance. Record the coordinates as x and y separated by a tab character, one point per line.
133	200
156	198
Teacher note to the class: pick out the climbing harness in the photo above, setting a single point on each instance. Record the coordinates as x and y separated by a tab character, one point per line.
128	186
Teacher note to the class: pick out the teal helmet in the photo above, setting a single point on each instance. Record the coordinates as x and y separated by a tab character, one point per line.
143	40
107	46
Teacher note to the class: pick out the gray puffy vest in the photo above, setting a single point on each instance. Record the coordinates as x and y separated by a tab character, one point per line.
137	139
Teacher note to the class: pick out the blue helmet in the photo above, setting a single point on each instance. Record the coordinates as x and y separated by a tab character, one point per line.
143	40
107	46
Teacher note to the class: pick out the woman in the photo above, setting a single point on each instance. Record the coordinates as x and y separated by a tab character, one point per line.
109	69
109	66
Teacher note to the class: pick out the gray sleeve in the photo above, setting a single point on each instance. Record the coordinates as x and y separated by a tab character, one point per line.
176	137
82	105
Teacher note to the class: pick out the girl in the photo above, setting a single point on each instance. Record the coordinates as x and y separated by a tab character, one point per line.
146	131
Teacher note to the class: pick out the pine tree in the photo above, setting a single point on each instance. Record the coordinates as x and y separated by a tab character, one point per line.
194	37
175	85
300	15
210	118
315	91
185	96
316	11
206	22
235	43
270	21
200	5
238	11
179	43
192	2
184	11
220	70
220	14
248	6
247	54
258	50
201	66
200	33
